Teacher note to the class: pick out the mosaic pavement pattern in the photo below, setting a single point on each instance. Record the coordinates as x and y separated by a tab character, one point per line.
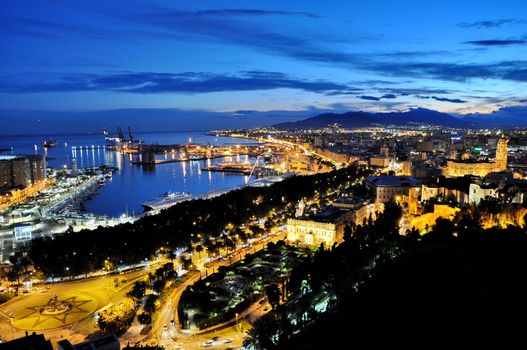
47	312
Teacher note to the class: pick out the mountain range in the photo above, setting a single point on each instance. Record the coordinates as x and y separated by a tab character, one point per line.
509	116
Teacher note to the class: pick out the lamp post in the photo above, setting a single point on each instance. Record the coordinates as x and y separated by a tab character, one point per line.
236	324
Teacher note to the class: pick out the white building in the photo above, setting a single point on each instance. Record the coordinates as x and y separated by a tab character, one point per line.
480	192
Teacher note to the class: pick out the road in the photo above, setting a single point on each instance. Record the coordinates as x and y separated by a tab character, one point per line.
175	333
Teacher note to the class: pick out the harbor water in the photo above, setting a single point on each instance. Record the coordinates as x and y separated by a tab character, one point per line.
132	184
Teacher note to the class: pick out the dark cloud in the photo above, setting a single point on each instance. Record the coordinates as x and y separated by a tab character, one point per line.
488	24
253	12
518	75
508	70
148	82
495	42
370	98
375	98
451	100
231	27
411	54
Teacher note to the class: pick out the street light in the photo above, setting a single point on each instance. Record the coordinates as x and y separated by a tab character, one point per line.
236	324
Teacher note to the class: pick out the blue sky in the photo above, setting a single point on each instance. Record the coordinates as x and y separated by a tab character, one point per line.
225	56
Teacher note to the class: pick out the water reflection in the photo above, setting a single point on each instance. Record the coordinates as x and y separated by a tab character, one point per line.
131	184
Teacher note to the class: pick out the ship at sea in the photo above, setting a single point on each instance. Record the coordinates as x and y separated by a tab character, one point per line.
167	200
49	143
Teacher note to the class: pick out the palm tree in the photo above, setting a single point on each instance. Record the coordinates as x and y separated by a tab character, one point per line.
229	244
211	247
199	249
151	278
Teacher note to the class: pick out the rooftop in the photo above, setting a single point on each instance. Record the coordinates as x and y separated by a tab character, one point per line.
329	215
18	156
8	157
394	181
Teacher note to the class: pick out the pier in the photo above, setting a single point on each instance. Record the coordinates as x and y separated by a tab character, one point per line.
78	148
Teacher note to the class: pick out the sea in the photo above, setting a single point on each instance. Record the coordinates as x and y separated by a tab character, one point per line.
132	184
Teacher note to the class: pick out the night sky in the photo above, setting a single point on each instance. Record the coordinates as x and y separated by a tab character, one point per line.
229	56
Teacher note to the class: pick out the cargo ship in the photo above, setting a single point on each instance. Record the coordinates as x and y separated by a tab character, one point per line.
231	167
49	143
167	200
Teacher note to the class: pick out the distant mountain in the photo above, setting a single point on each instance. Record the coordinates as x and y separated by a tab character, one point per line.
348	120
364	119
506	116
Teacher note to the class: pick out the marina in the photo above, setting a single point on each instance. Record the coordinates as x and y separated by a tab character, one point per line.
110	180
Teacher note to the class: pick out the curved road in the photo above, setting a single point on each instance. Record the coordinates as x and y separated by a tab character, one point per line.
159	335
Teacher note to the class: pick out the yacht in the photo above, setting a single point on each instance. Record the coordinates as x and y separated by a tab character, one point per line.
167	200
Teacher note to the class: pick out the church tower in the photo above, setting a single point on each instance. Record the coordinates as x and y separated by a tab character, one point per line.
501	155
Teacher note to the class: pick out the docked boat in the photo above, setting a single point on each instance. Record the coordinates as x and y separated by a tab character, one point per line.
50	143
232	167
167	200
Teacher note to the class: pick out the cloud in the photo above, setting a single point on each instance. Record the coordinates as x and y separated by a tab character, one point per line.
375	98
349	91
505	70
489	24
451	100
237	27
495	42
410	54
415	91
253	12
369	98
149	83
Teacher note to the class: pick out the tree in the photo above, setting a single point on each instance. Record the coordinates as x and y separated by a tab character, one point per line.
150	303
348	232
138	290
273	295
144	318
158	286
442	232
199	250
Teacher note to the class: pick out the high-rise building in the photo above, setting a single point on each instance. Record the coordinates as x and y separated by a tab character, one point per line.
21	171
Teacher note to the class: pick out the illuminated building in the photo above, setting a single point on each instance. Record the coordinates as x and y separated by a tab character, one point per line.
457	168
406	169
380	161
425	222
326	227
480	192
388	187
456	189
21	170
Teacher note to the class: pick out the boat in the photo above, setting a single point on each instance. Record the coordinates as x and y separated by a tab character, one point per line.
167	200
49	143
232	167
